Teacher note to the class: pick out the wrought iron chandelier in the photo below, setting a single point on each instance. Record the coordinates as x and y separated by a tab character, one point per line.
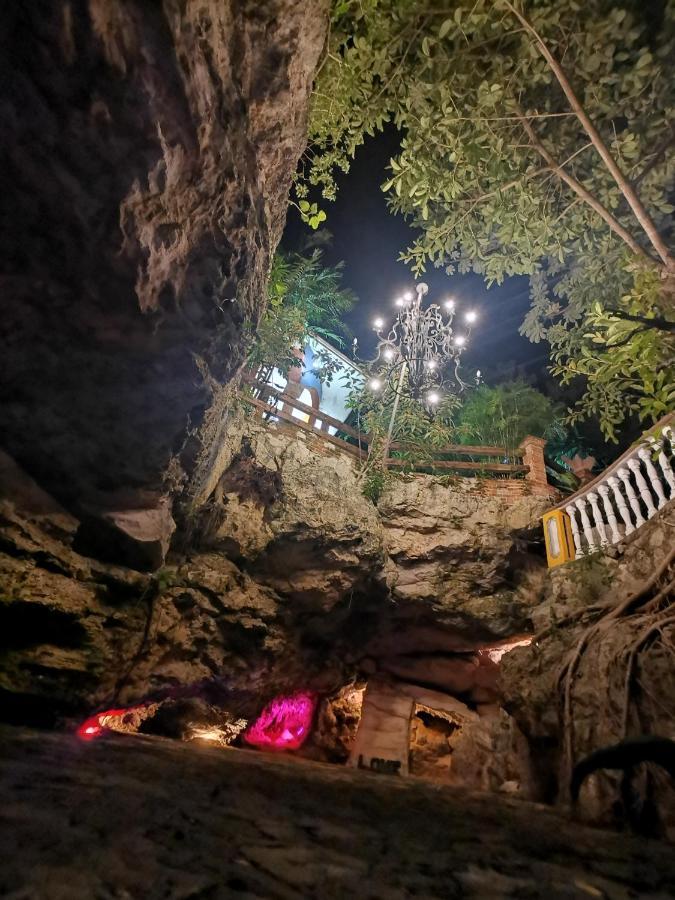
422	348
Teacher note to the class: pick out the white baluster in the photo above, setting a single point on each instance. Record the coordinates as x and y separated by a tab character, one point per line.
597	515
643	487
664	463
624	475
572	513
603	490
613	482
586	523
654	478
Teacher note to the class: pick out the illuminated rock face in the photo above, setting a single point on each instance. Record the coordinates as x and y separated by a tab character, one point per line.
284	724
148	151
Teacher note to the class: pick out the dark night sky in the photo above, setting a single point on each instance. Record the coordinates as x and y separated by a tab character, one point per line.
368	238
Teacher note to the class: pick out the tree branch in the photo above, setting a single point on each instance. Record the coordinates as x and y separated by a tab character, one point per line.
585	194
474	201
658	322
623	183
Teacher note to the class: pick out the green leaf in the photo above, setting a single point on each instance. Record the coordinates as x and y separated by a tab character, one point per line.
445	27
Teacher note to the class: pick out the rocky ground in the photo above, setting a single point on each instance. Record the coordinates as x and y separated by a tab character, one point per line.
147	818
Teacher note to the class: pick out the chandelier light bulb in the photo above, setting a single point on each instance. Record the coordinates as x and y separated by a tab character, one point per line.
388	353
378	323
449	305
471	316
460	340
433	398
399	301
407	297
431	364
375	384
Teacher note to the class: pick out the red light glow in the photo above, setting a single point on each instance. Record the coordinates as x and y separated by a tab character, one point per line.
99	724
284	724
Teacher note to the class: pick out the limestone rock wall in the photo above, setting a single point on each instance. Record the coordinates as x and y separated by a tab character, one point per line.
147	154
285	583
529	675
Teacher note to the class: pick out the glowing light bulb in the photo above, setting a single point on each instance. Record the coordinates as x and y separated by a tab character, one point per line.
433	398
375	384
378	323
431	364
407	297
460	340
388	353
449	305
471	316
400	301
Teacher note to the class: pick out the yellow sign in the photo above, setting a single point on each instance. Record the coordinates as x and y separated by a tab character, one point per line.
558	537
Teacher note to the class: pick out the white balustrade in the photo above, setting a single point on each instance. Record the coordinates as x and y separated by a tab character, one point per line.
614	505
647	499
624	475
624	512
571	512
581	505
603	490
597	517
664	463
654	479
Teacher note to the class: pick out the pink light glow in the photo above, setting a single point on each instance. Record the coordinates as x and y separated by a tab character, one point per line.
284	724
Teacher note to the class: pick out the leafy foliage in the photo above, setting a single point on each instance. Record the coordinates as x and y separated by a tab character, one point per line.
304	296
419	430
502	416
500	174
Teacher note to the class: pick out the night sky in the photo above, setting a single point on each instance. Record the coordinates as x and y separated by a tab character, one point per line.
368	238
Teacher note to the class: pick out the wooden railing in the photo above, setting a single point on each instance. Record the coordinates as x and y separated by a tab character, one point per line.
617	502
473	459
277	405
268	402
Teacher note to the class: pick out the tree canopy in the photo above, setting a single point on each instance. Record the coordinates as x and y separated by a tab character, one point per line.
505	414
536	139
